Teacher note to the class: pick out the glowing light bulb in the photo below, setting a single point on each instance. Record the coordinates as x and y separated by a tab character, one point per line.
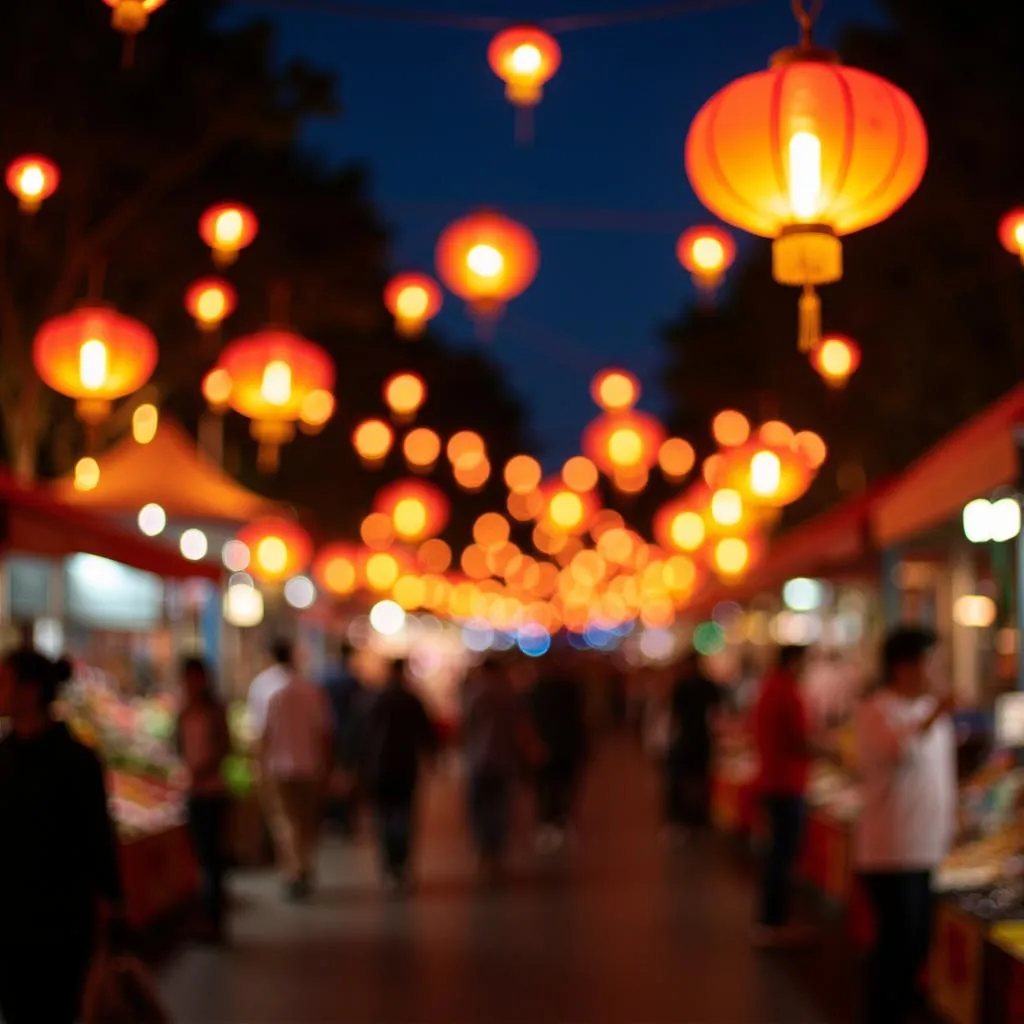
272	555
410	518
229	227
87	474
32	181
687	531
276	386
726	507
92	364
412	302
625	447
805	174
485	260
145	423
526	59
211	306
765	474
708	253
152	520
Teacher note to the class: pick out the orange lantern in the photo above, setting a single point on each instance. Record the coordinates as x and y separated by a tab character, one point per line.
94	355
730	428
623	443
768	474
372	440
417	510
404	394
1011	232
421	448
130	17
615	390
524	58
32	179
836	359
210	301
676	458
217	390
733	557
227	228
565	511
279	548
336	568
486	259
412	299
274	373
804	153
580	474
522	474
707	252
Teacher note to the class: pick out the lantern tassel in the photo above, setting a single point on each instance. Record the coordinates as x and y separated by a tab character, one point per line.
524	126
810	319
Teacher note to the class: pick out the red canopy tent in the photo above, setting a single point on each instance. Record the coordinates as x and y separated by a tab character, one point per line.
33	522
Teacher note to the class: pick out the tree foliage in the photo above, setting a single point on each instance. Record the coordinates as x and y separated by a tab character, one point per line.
934	301
204	114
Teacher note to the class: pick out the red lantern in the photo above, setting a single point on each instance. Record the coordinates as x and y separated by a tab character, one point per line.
277	378
486	259
1011	232
524	58
836	359
621	444
413	300
767	472
94	355
337	568
707	252
279	548
804	153
227	228
417	509
32	179
210	301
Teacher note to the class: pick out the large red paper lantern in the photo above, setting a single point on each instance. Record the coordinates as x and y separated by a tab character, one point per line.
486	259
413	300
804	153
94	355
278	548
278	379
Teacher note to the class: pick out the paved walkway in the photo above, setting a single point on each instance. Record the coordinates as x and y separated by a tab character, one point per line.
621	931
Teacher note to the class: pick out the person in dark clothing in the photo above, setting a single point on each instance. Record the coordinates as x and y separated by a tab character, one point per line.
689	757
556	706
348	701
204	742
399	736
58	859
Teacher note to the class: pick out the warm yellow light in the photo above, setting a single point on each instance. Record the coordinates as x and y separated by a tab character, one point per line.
421	447
410	518
410	592
485	260
835	358
687	531
491	530
526	59
731	556
565	510
765	474
805	174
340	576
376	530
412	302
272	555
1018	234
580	474
217	388
404	394
522	474
676	458
708	253
228	228
317	408
31	181
87	474
616	391
730	428
625	447
382	571
726	507
276	386
211	307
435	555
466	449
373	440
145	421
92	364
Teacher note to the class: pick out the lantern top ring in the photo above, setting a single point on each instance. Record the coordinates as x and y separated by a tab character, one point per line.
806	13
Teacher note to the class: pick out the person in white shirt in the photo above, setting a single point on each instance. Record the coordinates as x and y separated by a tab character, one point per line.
294	754
906	748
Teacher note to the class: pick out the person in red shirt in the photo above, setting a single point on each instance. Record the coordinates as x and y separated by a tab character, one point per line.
781	733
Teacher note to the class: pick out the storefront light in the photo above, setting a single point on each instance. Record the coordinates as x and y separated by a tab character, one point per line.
152	519
387	618
300	592
235	556
986	520
194	545
243	605
975	611
802	595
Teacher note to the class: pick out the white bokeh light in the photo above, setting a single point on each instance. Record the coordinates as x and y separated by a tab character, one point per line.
243	606
387	618
235	556
299	592
194	545
152	519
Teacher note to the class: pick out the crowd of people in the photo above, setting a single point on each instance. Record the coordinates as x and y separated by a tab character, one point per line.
339	747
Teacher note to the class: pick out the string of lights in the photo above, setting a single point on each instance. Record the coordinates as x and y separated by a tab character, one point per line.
494	23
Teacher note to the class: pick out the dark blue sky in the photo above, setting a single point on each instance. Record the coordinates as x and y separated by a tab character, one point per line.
602	186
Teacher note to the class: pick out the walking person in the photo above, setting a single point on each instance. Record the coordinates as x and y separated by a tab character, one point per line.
295	756
60	885
906	749
348	701
783	745
203	743
556	706
400	736
493	731
694	701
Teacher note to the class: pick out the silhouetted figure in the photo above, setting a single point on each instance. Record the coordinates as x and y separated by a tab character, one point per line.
783	746
399	737
693	702
59	877
349	708
203	743
557	710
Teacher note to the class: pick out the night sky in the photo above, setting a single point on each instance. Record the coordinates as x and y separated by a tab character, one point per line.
602	186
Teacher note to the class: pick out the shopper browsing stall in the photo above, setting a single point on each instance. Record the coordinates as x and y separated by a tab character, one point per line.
907	756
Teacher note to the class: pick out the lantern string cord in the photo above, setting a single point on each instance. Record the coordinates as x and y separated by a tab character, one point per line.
806	13
494	23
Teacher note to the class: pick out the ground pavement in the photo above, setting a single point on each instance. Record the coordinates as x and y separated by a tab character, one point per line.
621	930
